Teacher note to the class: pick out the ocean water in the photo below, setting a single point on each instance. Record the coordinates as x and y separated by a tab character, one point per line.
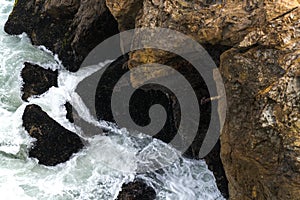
99	170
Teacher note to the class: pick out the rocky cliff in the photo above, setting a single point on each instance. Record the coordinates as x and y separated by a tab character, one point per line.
256	46
260	141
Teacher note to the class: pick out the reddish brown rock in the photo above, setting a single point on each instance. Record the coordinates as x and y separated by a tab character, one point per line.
260	66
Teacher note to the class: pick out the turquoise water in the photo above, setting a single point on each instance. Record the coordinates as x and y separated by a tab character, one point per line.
99	170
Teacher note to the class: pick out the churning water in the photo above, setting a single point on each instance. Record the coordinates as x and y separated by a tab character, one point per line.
99	170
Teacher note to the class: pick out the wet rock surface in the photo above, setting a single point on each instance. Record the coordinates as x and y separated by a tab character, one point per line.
37	80
54	144
70	113
137	190
143	98
70	29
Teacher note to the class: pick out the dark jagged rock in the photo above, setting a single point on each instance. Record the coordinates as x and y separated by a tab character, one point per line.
144	98
37	80
69	109
54	144
137	190
70	29
214	163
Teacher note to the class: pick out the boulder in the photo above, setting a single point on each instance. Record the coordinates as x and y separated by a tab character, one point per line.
37	80
136	190
54	144
69	28
69	109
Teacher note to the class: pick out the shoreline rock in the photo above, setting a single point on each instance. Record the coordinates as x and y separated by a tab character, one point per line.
260	140
37	80
54	144
136	190
70	29
144	98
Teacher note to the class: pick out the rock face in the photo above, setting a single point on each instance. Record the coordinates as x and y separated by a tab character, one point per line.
210	22
260	140
69	28
136	190
37	80
54	144
261	137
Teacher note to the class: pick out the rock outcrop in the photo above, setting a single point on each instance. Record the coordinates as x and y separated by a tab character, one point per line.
136	190
210	22
70	29
54	144
260	140
37	80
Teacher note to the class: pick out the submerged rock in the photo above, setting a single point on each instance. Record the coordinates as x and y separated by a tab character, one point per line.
137	190
54	144
70	29
37	80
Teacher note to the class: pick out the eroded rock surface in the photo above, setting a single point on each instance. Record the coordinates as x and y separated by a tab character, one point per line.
228	23
260	140
54	144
